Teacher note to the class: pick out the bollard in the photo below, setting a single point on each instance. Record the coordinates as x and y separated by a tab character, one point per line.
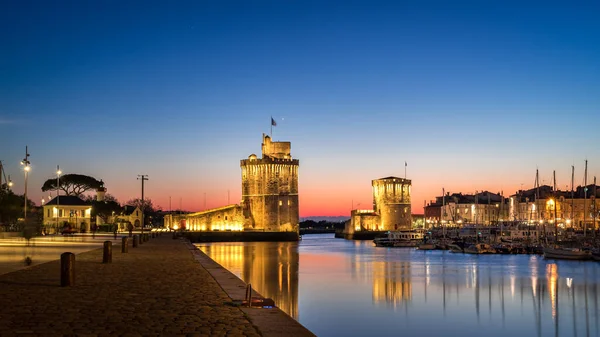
124	244
140	238
136	240
107	254
67	269
249	295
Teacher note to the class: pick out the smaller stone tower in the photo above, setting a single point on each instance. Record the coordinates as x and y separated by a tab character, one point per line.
100	192
391	201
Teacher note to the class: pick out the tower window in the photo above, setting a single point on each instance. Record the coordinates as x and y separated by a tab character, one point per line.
280	202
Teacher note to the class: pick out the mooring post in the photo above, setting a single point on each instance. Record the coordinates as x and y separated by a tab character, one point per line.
107	253
136	241
124	244
67	269
249	295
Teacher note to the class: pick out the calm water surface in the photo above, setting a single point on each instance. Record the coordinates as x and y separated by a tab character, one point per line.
337	287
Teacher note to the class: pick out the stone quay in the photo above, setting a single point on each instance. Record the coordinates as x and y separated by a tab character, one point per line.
165	287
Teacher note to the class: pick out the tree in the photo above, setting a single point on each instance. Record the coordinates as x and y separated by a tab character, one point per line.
137	202
92	198
73	184
105	209
11	205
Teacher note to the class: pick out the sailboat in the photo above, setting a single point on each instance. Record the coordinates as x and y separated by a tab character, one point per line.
558	252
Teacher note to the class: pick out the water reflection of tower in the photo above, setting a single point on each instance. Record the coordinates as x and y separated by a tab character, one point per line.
392	282
272	269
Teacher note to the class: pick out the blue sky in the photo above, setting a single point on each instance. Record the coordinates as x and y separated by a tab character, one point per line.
473	95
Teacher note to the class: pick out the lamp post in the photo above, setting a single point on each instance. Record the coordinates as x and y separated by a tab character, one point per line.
58	173
25	163
143	177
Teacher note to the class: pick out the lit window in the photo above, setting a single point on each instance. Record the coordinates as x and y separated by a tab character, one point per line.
280	202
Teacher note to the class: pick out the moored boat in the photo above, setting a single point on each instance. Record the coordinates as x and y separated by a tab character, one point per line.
567	253
456	247
408	238
480	248
428	245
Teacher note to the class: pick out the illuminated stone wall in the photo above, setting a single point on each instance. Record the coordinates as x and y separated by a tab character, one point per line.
228	218
362	220
270	188
391	200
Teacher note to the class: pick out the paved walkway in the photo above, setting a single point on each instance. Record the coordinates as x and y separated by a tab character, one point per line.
157	289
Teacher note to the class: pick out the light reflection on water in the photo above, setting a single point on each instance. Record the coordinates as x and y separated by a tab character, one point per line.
336	287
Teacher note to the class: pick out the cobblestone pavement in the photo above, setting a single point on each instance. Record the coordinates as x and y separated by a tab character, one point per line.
157	289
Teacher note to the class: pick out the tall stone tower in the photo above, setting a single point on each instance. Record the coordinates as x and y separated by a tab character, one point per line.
391	200
270	188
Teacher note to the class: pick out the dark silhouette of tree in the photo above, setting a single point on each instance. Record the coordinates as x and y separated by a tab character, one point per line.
137	202
11	205
104	209
72	184
92	198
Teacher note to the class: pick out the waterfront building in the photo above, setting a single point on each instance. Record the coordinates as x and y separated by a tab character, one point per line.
482	208
456	210
66	210
391	209
269	197
577	209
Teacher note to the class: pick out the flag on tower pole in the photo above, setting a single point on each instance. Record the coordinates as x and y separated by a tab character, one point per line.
273	123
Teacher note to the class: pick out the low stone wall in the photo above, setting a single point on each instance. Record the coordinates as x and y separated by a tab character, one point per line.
363	235
217	236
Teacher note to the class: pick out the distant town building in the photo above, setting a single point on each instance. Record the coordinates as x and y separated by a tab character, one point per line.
577	209
391	208
269	197
457	210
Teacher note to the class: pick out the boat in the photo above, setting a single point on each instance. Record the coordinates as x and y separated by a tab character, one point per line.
456	247
427	245
480	248
564	253
408	238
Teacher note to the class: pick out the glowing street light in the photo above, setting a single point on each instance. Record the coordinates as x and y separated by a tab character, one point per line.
26	163
58	173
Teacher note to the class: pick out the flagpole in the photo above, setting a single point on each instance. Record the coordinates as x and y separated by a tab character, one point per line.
271	127
405	164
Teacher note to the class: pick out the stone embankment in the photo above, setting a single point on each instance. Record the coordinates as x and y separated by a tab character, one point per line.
163	287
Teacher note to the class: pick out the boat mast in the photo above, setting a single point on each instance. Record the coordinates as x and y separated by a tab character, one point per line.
537	197
555	204
443	211
594	201
584	200
572	194
476	216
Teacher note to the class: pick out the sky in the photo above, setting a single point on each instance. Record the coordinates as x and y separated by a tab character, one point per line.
471	95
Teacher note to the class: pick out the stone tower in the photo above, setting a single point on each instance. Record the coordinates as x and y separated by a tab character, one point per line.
391	201
100	192
270	188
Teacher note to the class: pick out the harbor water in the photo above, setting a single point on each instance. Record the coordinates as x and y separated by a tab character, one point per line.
337	287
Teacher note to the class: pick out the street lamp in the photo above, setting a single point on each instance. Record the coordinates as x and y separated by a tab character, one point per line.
26	163
58	173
